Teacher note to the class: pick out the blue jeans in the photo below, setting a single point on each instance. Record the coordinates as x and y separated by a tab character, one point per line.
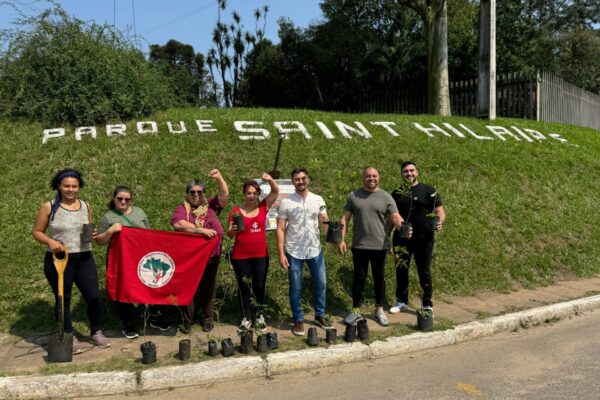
316	265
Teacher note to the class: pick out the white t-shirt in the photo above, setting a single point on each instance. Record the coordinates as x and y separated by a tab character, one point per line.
302	237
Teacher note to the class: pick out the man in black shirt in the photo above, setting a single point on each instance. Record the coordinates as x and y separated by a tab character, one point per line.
421	206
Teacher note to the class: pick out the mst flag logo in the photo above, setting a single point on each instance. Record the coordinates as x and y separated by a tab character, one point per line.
156	269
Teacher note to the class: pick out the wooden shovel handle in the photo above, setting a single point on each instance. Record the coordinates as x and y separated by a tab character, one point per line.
61	264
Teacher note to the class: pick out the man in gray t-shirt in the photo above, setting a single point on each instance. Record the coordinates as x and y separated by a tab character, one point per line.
371	208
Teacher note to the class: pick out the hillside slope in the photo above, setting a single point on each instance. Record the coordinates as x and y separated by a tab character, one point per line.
521	203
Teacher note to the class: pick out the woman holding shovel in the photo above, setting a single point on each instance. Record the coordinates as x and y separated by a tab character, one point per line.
65	218
249	258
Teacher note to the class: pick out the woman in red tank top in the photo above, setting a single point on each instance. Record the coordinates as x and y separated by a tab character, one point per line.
250	258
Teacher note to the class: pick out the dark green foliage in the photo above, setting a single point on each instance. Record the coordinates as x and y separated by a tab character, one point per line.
185	72
59	69
558	36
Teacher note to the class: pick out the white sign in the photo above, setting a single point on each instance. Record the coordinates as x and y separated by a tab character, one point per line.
257	130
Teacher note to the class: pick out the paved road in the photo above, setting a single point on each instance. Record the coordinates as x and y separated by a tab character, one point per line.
554	361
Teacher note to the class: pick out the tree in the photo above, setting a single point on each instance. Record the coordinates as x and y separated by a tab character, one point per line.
231	46
435	19
558	36
59	69
185	72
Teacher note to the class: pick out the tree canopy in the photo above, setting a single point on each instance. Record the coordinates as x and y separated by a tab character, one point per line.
60	69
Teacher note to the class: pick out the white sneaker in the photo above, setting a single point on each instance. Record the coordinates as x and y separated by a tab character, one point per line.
245	325
260	324
398	307
381	318
429	308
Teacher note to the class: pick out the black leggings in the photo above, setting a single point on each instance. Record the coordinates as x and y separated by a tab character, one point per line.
422	252
361	259
206	292
251	276
80	270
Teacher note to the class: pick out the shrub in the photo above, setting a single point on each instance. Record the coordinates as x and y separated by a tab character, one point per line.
56	68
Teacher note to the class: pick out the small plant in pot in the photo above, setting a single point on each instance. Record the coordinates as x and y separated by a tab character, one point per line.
433	219
425	319
405	189
238	221
212	346
262	341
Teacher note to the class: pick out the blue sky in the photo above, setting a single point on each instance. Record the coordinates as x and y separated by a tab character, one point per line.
188	21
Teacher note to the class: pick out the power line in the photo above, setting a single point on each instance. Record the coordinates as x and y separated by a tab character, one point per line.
134	30
181	17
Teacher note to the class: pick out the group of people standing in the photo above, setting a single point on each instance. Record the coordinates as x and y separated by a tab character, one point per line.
300	219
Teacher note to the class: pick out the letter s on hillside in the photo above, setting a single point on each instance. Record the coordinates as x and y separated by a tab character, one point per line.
247	127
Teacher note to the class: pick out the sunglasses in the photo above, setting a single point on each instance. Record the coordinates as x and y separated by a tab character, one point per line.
196	192
125	199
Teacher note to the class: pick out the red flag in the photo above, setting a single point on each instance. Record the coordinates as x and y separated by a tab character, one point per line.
156	267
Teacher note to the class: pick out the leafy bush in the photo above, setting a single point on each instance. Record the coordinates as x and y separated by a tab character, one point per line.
57	68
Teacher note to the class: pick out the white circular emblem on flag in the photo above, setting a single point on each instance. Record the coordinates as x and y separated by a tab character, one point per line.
156	269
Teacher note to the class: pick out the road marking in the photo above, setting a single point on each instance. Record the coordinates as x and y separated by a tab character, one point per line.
470	389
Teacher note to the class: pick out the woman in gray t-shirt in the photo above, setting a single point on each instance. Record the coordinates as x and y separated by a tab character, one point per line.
64	218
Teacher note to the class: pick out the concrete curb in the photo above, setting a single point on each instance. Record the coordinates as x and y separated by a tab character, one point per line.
72	385
105	383
203	373
281	363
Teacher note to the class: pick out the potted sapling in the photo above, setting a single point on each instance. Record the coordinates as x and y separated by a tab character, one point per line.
425	319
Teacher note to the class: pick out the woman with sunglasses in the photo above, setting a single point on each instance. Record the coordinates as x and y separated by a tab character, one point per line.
249	257
200	214
121	213
64	218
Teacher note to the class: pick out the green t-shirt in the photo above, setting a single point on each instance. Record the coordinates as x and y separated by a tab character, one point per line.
370	211
136	218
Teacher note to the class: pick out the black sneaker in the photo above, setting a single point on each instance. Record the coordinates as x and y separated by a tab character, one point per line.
323	322
186	328
207	326
129	332
159	323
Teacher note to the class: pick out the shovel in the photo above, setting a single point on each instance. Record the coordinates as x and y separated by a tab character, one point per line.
60	346
276	174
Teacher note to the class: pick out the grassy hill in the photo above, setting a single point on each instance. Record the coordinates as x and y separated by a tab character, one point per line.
520	213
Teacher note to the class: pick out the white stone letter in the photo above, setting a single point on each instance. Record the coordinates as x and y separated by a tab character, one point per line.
558	137
326	132
346	129
181	126
387	126
454	130
522	134
476	136
246	127
205	125
116	130
85	130
434	129
52	133
500	131
296	126
141	127
536	135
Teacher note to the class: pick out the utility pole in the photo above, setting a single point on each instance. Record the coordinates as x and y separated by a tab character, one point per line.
486	84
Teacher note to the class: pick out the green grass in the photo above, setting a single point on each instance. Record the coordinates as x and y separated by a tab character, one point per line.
519	213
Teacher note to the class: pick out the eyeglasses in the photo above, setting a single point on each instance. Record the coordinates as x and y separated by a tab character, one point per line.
196	192
125	199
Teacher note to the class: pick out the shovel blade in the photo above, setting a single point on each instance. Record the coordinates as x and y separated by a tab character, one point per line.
60	350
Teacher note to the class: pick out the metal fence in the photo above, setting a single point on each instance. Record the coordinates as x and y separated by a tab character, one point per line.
560	101
517	97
